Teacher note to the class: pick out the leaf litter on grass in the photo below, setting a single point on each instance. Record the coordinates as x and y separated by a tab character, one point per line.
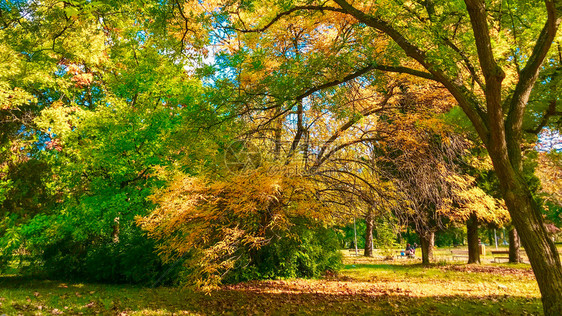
366	289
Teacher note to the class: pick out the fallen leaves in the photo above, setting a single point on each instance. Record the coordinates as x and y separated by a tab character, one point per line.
364	289
499	270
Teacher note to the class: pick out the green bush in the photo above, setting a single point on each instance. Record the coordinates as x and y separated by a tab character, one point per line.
57	252
385	234
307	250
10	240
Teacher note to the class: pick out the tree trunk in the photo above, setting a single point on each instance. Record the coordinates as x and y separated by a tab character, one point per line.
527	218
115	233
278	131
355	235
427	243
472	238
369	234
540	249
514	255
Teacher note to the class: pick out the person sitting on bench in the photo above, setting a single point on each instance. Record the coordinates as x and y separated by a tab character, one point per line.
410	251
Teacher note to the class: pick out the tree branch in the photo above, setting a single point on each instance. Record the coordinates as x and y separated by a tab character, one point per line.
360	72
464	98
288	12
430	9
320	158
300	130
550	112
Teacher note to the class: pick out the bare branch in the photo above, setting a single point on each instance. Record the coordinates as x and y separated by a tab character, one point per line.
320	158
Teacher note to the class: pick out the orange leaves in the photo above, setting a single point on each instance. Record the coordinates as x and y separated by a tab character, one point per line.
80	76
428	151
217	220
73	69
326	36
298	43
83	80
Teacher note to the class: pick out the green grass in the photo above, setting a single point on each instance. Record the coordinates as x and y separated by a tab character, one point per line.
362	288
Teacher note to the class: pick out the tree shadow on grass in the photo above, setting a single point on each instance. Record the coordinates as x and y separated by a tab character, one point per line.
18	281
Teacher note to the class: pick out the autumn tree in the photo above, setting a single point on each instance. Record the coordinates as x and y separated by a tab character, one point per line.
354	186
285	122
222	224
431	175
297	125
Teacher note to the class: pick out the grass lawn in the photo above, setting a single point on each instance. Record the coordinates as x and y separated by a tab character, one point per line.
363	287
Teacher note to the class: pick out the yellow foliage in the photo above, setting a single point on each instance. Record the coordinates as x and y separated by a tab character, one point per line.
470	199
549	172
214	220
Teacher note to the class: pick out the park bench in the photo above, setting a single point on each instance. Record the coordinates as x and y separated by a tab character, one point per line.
500	254
461	254
504	254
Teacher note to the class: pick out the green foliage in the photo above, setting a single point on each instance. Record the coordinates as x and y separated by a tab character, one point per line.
102	180
57	250
452	236
307	250
111	106
10	240
25	188
554	213
133	260
385	234
346	234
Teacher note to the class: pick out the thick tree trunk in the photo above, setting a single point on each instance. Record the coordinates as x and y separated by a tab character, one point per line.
527	218
427	243
514	256
369	234
540	249
472	237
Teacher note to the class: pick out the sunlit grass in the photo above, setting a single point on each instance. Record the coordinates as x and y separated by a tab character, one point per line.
363	287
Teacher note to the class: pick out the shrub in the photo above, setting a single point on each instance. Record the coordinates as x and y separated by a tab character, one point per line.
56	252
307	250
